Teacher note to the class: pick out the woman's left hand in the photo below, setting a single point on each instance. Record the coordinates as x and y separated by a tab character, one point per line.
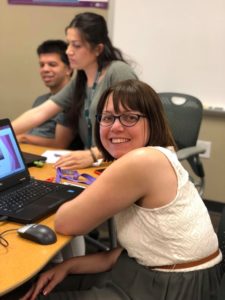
75	160
47	281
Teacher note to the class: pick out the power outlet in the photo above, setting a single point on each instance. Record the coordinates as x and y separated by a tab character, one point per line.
207	145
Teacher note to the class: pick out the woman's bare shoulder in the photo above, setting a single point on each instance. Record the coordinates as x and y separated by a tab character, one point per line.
140	159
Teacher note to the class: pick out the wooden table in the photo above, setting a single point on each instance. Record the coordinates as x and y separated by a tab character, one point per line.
22	259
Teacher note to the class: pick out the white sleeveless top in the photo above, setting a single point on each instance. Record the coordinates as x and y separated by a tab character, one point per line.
180	231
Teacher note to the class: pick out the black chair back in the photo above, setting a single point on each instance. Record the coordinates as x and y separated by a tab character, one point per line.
184	113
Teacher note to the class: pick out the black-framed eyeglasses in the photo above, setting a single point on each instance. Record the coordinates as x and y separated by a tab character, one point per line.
126	119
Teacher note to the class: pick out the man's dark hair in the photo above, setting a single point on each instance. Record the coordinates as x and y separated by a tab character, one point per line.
54	46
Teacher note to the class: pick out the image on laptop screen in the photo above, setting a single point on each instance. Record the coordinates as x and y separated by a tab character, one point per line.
10	159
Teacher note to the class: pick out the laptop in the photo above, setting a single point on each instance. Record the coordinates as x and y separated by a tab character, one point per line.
32	159
41	198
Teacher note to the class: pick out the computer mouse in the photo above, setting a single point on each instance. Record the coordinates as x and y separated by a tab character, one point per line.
38	233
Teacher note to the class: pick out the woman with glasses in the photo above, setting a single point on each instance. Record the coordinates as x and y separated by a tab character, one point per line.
98	65
167	246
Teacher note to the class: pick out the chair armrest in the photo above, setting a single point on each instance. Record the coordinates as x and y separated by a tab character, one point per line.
185	153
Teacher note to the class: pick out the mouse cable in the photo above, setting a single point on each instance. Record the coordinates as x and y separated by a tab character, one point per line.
3	241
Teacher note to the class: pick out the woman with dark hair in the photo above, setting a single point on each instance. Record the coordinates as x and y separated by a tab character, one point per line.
167	246
99	65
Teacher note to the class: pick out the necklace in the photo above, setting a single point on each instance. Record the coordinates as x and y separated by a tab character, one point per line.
90	96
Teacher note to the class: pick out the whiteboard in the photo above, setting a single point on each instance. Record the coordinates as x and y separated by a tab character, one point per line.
175	46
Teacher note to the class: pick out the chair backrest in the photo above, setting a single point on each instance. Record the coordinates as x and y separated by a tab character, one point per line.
184	113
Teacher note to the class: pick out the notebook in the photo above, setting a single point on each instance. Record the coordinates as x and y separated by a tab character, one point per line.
17	184
31	159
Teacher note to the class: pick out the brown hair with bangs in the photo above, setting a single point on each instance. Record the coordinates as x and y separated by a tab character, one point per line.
139	96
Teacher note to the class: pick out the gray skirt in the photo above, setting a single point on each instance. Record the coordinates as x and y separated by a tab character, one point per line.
130	280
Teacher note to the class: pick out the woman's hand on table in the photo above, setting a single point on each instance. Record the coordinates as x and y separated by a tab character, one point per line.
75	160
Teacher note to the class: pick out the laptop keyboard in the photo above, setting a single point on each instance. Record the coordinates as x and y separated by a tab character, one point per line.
12	201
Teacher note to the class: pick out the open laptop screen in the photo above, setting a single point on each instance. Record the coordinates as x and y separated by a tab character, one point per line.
11	161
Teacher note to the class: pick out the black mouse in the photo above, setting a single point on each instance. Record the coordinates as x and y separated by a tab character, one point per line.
38	233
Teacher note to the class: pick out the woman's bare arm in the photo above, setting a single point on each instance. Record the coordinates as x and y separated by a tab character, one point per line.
35	116
92	263
136	176
62	139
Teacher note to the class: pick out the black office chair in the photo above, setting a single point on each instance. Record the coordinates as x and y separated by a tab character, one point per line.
109	243
184	113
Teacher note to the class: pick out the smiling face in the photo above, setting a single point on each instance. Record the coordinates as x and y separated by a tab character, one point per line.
118	139
54	72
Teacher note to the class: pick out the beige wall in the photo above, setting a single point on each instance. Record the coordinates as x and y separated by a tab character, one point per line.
23	28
